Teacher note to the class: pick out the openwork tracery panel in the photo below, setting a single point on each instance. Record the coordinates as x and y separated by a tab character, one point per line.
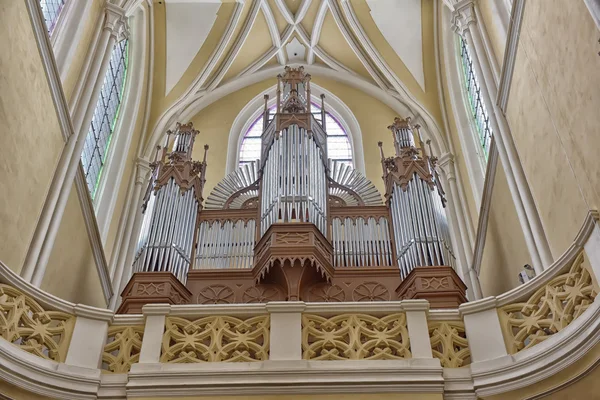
122	349
24	323
449	343
355	337
549	310
215	338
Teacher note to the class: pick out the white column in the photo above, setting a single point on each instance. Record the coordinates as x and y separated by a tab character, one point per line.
127	239
594	7
463	247
418	331
89	337
592	250
484	333
285	336
47	228
153	332
464	24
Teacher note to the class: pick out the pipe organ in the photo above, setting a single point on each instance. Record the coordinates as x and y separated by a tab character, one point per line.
171	207
416	201
295	225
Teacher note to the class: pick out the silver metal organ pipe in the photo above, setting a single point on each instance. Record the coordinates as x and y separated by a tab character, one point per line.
416	203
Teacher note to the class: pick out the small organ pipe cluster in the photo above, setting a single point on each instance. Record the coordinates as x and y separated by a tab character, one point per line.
416	202
293	225
171	206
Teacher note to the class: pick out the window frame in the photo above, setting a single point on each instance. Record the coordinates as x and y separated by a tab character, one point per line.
104	156
258	115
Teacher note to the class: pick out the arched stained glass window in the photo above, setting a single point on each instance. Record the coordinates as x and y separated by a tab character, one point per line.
105	117
477	107
51	10
338	143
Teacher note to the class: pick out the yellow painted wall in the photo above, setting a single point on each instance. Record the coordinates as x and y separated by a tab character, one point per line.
215	121
30	136
71	273
505	251
94	18
553	114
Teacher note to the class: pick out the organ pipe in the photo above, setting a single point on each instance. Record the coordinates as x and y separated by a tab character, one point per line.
294	184
171	207
416	202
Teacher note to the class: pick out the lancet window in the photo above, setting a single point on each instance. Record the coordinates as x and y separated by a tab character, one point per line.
338	143
51	10
105	117
477	108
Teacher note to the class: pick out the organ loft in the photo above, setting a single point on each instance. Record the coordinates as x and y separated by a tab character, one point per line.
294	225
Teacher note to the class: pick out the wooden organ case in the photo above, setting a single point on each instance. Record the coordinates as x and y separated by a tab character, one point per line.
294	225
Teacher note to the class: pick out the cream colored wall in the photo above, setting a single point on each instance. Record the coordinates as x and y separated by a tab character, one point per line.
553	114
505	252
71	272
491	22
30	136
83	47
215	121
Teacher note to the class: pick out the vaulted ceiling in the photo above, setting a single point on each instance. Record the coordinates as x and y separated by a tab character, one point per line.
203	45
329	32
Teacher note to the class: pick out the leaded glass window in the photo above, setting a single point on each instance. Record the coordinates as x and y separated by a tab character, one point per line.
51	10
338	143
105	117
477	107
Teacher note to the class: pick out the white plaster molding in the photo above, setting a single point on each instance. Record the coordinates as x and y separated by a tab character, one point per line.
117	157
188	107
594	7
93	232
287	14
68	27
316	31
400	25
467	134
334	7
47	300
429	125
274	377
444	315
510	53
239	42
484	210
188	25
274	32
542	361
333	105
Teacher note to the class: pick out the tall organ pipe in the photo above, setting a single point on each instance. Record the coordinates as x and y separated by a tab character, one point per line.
171	207
416	201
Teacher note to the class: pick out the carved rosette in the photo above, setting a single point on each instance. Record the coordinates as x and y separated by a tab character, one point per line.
152	288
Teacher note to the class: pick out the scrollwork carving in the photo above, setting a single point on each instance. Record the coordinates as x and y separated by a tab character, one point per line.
327	293
449	343
216	294
355	337
122	349
215	338
371	291
262	294
549	310
24	323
